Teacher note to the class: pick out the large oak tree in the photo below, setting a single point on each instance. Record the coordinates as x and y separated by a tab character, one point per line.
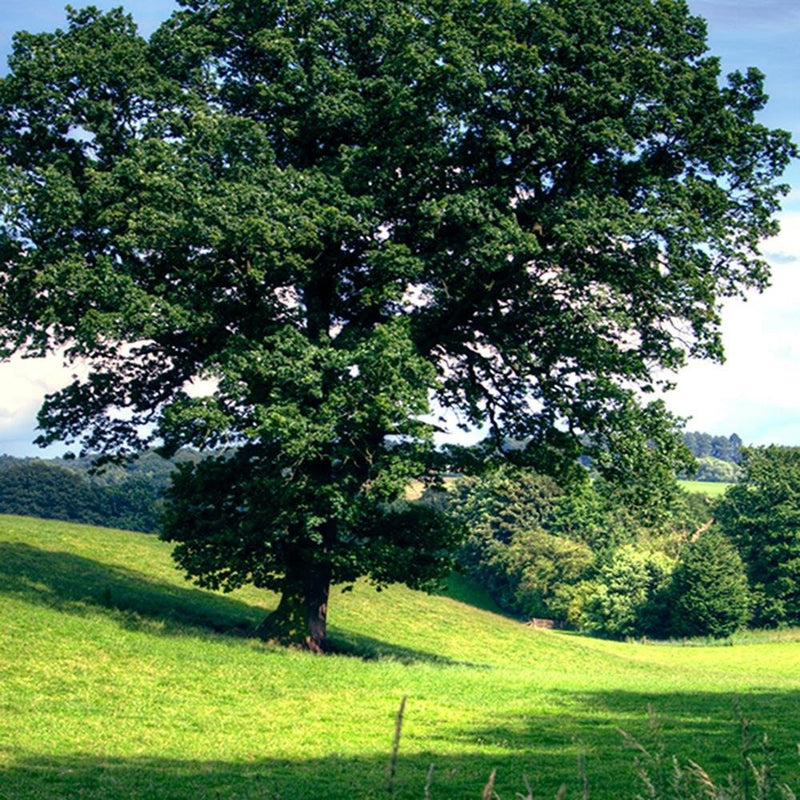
344	213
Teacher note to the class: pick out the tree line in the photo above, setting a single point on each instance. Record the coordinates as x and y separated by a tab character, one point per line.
717	457
706	445
588	559
128	496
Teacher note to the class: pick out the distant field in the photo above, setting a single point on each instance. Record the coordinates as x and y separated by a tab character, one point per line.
120	680
709	488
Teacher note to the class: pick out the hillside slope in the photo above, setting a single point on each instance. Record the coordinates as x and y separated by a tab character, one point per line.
120	680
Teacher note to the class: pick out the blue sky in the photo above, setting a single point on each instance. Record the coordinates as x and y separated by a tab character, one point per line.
756	393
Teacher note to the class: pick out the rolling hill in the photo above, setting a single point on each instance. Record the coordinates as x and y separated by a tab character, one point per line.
118	679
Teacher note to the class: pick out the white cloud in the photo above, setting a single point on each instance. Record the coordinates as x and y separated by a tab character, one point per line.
756	393
25	382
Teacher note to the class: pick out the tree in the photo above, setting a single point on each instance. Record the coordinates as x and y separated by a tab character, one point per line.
761	516
629	597
712	469
60	489
132	504
698	443
704	445
544	569
342	214
709	593
736	447
502	513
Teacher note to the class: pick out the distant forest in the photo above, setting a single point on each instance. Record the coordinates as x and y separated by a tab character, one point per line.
718	457
704	445
126	496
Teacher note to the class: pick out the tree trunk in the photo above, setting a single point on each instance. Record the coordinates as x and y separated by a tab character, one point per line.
301	615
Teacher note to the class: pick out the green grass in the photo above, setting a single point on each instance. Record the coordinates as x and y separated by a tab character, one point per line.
708	488
120	680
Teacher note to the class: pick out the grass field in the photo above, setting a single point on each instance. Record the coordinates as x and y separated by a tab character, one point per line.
120	680
708	488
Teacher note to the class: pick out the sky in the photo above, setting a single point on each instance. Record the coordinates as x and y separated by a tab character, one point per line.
755	393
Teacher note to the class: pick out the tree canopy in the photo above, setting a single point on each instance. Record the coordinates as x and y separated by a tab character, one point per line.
340	215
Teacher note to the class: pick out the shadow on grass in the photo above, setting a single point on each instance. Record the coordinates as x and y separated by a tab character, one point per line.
575	750
332	778
715	730
73	584
347	643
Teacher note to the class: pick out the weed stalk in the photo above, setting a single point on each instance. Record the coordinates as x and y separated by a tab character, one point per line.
398	729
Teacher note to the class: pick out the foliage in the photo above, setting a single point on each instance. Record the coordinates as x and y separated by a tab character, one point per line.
503	512
716	470
503	501
637	470
339	213
45	489
397	542
690	509
709	594
631	593
602	517
148	466
761	516
41	489
133	504
542	551
542	569
128	496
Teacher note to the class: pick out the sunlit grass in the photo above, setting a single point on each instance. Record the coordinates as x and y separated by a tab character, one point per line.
709	488
120	680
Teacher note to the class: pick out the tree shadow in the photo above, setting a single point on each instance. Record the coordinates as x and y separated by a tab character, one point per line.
347	643
574	750
327	778
716	730
74	584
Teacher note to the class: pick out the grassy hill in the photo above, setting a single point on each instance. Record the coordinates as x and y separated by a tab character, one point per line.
120	680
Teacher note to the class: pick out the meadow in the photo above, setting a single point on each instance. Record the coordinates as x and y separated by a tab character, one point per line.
118	679
711	489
